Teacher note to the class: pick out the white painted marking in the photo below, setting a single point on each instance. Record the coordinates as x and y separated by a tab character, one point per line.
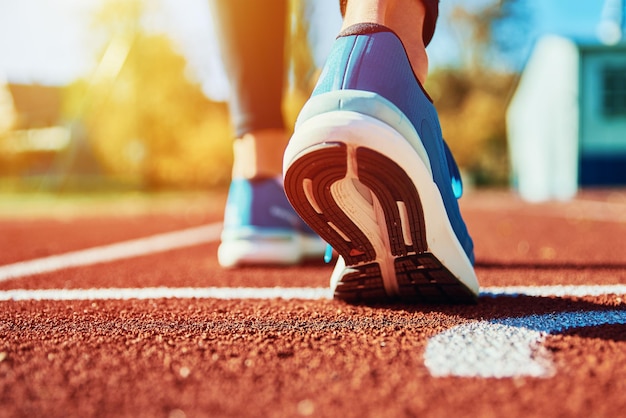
126	249
506	347
499	348
310	293
554	291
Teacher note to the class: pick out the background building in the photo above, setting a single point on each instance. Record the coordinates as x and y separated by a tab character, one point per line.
566	123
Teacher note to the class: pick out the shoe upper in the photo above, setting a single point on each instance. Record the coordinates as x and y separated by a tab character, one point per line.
260	206
377	63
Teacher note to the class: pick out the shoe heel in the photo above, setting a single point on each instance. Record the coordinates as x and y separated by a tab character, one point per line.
398	230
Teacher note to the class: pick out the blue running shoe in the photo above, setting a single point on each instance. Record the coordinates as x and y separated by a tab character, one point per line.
368	170
261	227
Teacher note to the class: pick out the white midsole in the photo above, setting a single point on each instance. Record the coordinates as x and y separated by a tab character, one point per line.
237	252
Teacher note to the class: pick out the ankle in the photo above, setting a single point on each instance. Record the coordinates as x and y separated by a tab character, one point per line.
404	17
259	154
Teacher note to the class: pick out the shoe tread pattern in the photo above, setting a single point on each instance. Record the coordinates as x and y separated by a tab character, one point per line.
325	165
420	275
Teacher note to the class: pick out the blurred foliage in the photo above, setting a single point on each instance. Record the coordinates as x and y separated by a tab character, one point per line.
145	121
472	98
472	115
489	33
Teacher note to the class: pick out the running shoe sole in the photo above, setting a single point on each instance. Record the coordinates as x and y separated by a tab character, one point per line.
369	193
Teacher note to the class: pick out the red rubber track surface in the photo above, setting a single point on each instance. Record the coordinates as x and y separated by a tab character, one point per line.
228	358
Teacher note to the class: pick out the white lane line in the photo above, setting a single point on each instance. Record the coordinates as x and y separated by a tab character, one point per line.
311	293
507	347
106	253
556	291
499	348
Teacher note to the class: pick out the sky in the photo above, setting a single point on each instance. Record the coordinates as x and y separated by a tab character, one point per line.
50	41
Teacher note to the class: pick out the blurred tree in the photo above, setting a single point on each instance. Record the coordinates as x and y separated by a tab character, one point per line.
146	122
472	98
486	34
144	119
472	115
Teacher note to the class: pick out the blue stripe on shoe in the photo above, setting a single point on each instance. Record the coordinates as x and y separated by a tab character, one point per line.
455	173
